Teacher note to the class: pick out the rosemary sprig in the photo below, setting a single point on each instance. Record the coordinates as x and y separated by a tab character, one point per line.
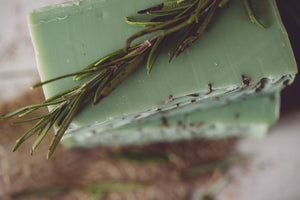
179	21
250	12
96	190
145	157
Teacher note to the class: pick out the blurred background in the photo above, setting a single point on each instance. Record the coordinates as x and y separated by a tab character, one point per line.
256	169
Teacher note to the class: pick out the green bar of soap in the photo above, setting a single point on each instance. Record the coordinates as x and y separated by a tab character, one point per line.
235	57
249	117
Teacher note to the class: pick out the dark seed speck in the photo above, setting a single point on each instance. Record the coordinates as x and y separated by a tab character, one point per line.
164	122
209	88
193	95
246	81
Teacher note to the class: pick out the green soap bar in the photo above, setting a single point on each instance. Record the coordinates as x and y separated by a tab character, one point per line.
230	114
251	116
70	36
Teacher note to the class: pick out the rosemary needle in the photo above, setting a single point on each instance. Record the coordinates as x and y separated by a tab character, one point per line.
182	21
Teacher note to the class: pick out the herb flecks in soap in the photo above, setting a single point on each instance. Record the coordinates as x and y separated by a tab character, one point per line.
209	89
180	21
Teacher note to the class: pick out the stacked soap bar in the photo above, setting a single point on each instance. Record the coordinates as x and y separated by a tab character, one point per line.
250	117
227	83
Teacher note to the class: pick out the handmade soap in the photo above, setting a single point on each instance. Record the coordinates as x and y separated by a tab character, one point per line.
250	117
232	60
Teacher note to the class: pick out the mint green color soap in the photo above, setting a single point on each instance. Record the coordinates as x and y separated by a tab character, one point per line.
250	117
68	37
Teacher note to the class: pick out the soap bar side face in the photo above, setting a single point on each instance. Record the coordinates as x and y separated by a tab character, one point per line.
250	117
67	38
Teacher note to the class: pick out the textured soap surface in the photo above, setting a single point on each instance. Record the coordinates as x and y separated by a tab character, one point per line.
251	116
231	114
70	36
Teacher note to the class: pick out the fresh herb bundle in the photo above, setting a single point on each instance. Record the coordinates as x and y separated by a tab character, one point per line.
182	21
